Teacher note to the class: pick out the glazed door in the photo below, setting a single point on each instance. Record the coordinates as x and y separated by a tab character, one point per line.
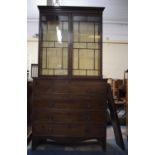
54	30
70	45
86	46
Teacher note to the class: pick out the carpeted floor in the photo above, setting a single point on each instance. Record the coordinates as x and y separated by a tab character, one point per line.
89	149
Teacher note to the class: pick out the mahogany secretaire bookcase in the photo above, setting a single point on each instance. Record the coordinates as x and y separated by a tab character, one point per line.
69	95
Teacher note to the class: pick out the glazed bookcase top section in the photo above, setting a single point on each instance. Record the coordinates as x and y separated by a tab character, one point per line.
70	42
47	9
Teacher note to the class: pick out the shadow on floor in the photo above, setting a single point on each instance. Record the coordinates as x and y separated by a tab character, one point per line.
87	149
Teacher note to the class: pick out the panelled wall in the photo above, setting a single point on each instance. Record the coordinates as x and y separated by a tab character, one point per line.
115	48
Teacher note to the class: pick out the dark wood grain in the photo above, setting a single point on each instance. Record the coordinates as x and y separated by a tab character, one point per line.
78	110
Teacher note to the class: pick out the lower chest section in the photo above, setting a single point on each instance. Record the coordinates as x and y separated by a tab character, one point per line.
69	109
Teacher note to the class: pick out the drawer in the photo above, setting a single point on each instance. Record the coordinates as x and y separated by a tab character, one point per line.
45	129
69	130
70	96
48	87
67	102
60	116
71	86
90	87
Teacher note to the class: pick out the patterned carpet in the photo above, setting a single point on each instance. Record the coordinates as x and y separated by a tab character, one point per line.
89	149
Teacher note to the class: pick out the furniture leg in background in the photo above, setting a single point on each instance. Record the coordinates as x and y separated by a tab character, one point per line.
114	119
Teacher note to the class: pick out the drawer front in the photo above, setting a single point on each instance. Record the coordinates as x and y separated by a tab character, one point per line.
46	129
62	104
64	94
58	116
69	86
69	130
48	86
69	97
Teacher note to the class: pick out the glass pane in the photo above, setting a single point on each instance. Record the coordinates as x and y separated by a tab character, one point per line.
75	59
54	58
79	72
85	18
54	45
44	58
92	72
93	45
60	72
97	59
86	38
65	58
44	72
97	35
86	59
80	45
